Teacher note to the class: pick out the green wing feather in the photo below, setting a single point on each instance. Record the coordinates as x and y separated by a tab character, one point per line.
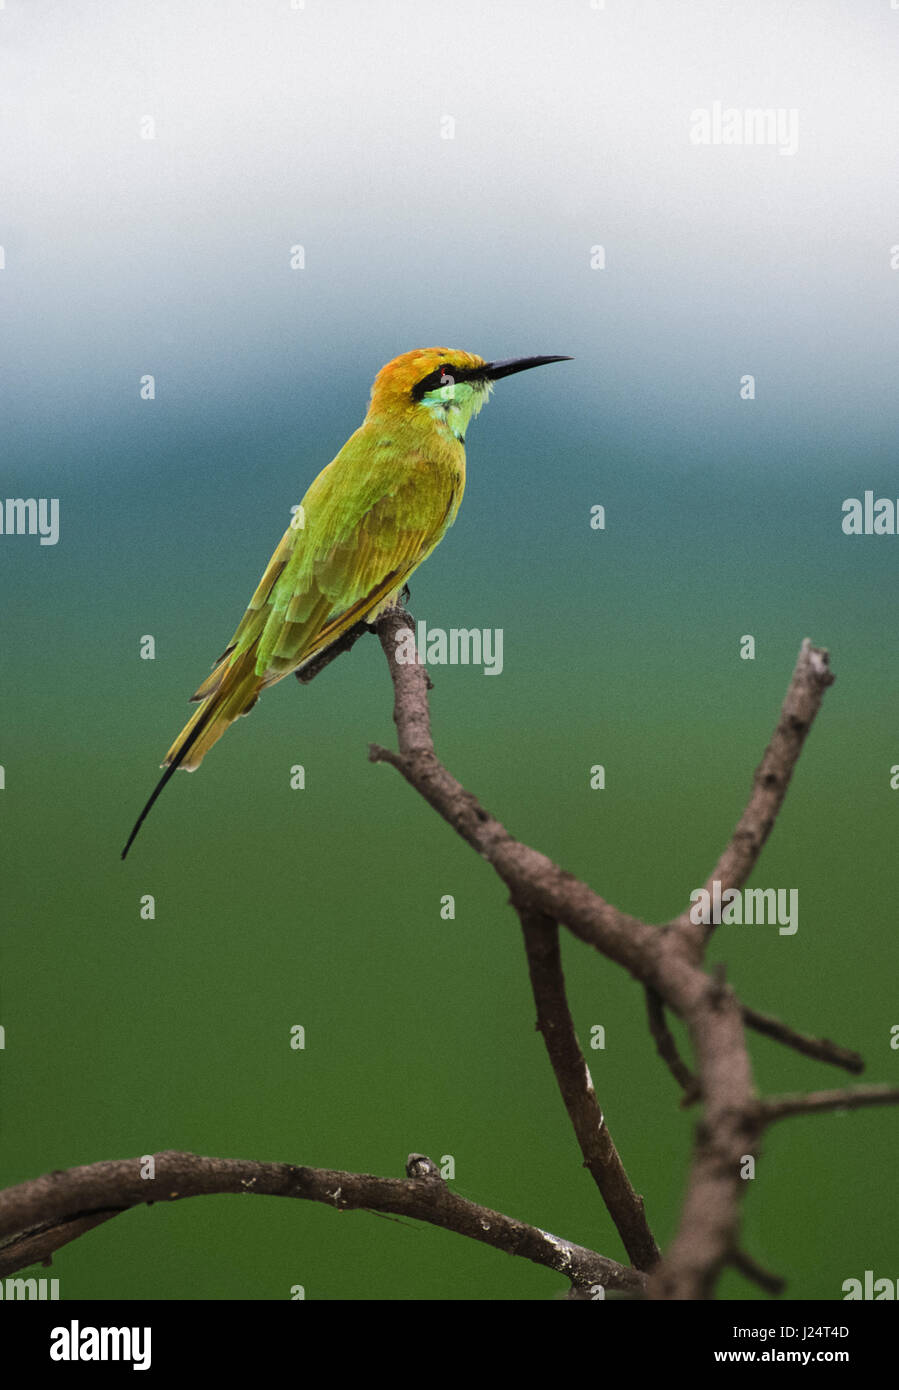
367	525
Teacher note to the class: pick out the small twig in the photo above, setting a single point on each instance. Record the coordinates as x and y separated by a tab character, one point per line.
554	1021
667	1047
817	1102
822	1049
750	1269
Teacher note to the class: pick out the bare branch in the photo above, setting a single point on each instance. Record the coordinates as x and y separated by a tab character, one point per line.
667	1047
709	1222
817	1102
822	1049
811	677
554	1021
101	1190
750	1269
38	1217
38	1245
666	962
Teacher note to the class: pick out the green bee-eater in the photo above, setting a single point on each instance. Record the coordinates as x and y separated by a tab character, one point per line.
369	519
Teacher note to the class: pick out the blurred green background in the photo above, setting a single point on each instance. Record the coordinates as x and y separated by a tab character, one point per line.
321	907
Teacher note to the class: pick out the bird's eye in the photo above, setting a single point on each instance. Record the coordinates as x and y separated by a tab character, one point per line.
431	382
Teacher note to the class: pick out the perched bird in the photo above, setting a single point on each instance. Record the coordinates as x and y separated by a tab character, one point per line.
368	520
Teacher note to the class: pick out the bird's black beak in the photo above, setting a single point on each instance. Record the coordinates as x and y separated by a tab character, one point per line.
494	370
491	371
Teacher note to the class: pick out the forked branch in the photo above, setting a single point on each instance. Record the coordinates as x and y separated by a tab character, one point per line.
667	961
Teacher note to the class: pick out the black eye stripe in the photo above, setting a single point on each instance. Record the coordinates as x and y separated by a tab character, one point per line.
435	379
429	383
